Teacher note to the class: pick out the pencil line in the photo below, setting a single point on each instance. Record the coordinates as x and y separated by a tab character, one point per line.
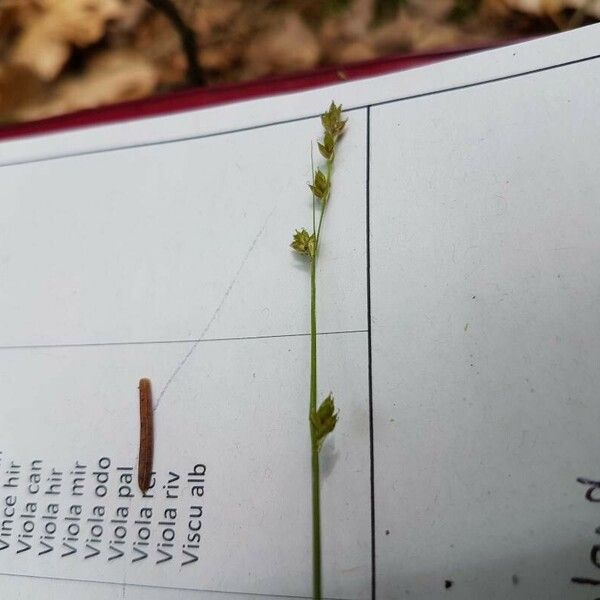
217	310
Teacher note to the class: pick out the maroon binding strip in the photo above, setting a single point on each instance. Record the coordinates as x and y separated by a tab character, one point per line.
190	99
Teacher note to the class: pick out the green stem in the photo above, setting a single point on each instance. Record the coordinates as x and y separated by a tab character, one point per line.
323	207
314	443
312	171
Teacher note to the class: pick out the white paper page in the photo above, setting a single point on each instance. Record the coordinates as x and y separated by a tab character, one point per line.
187	278
158	248
484	281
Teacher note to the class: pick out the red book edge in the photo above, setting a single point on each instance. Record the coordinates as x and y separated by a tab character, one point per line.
193	98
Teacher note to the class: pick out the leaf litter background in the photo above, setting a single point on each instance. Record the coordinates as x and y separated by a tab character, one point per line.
58	56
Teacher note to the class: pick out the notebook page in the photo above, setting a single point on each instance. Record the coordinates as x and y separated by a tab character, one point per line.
165	256
484	228
126	272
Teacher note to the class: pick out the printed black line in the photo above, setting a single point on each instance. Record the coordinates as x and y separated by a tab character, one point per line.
159	587
455	88
164	142
370	356
182	341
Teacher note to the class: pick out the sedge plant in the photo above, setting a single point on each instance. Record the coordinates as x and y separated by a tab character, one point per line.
322	418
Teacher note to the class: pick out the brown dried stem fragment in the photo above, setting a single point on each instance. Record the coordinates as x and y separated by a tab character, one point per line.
187	37
146	436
